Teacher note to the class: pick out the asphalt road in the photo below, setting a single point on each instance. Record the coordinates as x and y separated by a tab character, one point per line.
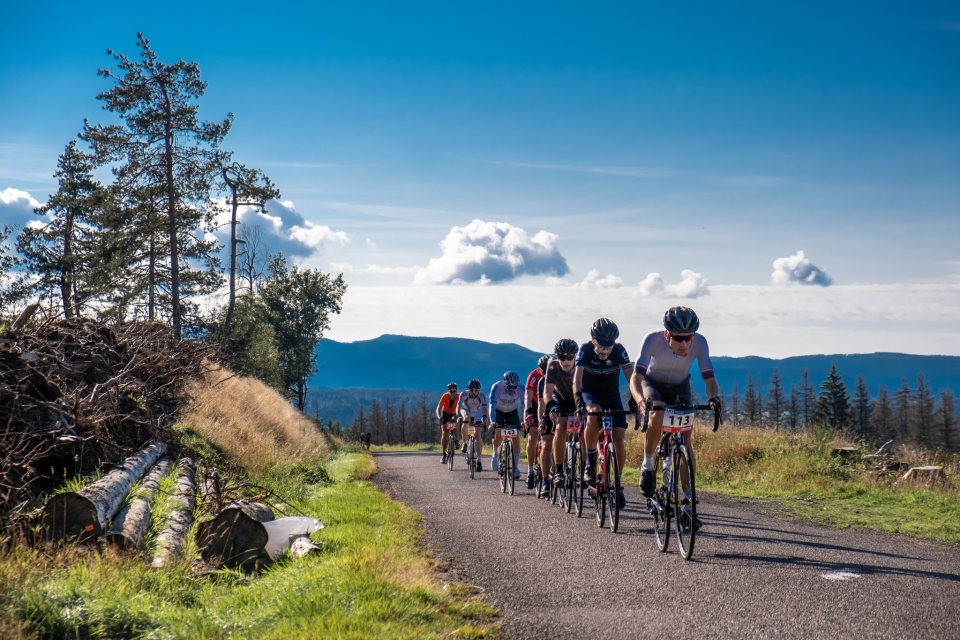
752	576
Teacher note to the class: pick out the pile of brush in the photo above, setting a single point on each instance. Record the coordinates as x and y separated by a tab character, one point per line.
78	390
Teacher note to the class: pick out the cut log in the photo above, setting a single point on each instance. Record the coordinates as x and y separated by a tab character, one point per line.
302	546
130	526
83	516
170	540
235	537
928	474
25	316
845	453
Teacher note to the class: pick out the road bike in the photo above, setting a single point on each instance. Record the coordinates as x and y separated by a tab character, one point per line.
574	486
471	454
537	471
451	428
673	469
505	461
561	492
606	493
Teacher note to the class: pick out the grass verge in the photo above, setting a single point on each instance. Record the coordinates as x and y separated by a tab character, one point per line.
419	446
797	473
369	581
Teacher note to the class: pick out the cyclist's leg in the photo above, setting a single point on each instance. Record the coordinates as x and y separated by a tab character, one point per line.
532	436
560	440
546	452
591	437
512	420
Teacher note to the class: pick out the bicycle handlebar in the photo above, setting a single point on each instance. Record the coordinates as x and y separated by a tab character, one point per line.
717	418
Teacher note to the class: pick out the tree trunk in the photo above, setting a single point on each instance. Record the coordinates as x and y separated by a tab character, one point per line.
84	515
233	262
130	526
170	540
172	215
302	546
66	269
235	537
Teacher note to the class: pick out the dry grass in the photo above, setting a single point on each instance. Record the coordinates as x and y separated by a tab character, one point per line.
254	424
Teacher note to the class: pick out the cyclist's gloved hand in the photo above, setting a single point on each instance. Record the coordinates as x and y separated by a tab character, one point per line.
485	421
553	407
578	396
529	421
716	403
632	404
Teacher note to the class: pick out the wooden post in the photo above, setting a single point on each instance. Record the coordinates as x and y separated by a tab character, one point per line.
84	515
170	540
235	537
131	524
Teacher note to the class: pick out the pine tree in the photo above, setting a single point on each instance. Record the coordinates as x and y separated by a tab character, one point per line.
359	425
862	408
883	415
903	405
163	145
750	409
402	420
758	394
378	423
923	412
776	399
793	408
735	403
946	420
833	405
807	399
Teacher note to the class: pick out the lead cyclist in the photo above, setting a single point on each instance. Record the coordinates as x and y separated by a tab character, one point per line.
662	374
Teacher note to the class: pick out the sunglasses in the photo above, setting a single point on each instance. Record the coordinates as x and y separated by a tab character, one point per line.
511	387
677	338
565	358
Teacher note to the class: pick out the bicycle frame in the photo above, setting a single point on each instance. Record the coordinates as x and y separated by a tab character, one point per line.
451	429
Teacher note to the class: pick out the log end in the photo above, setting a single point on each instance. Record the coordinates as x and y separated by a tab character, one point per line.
232	539
69	517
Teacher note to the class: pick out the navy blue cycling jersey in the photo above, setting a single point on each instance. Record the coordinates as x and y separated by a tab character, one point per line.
601	378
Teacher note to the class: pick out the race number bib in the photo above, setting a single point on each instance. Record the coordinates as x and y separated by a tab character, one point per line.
450	426
471	430
675	420
608	423
508	432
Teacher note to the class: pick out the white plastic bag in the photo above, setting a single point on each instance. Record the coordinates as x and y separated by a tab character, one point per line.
279	532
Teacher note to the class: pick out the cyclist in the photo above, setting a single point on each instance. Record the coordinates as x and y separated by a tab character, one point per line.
532	393
596	386
505	396
560	403
447	411
473	404
662	373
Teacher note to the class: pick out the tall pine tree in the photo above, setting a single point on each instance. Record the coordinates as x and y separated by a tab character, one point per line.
833	405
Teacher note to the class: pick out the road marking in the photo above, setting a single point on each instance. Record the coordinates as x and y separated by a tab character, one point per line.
840	575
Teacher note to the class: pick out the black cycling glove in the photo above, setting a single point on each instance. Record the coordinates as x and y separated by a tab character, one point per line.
578	396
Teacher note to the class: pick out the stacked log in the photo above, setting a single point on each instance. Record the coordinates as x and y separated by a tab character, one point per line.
235	537
131	525
170	540
83	516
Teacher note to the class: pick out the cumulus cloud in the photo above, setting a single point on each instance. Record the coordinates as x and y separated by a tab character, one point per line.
691	285
490	252
798	269
594	281
16	207
286	229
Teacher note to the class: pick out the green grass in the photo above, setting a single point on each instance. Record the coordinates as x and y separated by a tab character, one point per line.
419	446
796	475
369	581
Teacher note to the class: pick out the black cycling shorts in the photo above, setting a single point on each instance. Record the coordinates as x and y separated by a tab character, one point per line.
447	417
608	403
508	419
667	394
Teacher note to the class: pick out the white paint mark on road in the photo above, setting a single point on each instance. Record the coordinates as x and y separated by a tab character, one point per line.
840	575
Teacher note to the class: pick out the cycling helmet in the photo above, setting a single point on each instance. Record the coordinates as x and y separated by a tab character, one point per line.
473	384
566	347
681	320
511	378
605	332
543	362
452	386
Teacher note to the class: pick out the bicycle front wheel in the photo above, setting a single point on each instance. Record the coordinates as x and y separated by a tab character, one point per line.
511	474
502	467
579	486
599	500
472	457
660	505
685	509
451	451
613	487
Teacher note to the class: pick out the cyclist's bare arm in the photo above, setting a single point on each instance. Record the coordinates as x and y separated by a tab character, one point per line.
713	388
548	388
577	380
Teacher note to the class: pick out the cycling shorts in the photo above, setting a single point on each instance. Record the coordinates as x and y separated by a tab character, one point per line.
508	419
447	417
608	403
667	394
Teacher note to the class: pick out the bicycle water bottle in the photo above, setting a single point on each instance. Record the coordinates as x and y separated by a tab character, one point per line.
666	472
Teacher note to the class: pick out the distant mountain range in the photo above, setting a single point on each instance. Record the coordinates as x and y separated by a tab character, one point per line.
406	365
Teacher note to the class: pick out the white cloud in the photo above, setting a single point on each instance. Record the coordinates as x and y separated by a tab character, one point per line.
691	285
493	252
16	207
285	228
371	243
594	281
798	269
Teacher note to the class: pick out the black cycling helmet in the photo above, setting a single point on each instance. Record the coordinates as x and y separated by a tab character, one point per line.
681	320
452	386
473	384
511	378
542	363
566	347
605	332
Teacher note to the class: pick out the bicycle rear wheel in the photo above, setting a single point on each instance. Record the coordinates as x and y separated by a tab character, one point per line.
580	486
451	451
538	479
661	506
472	457
502	467
613	487
685	518
600	500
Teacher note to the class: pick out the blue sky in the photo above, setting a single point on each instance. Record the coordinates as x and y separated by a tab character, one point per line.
641	139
